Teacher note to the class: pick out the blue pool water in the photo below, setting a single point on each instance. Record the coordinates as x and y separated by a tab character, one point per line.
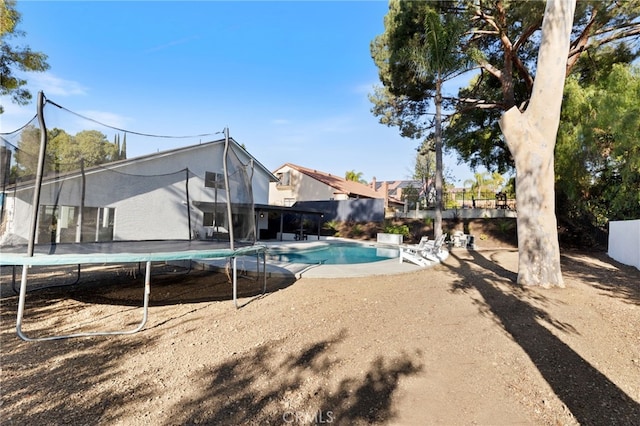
334	254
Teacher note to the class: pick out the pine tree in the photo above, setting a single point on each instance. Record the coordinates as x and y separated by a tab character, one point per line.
116	142
123	151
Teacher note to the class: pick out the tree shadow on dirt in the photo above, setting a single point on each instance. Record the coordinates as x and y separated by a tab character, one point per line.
591	397
265	386
122	300
62	382
613	278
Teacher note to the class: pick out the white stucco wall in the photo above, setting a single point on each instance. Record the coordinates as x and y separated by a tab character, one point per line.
302	188
145	208
624	242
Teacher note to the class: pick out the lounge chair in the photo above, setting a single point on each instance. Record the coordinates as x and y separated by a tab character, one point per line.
424	253
410	252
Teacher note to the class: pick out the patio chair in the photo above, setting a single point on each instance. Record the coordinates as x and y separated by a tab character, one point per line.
458	239
433	249
411	252
424	253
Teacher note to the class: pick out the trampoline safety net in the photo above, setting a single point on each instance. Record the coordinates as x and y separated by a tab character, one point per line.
91	192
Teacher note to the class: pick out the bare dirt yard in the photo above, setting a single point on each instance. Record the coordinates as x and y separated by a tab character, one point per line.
458	344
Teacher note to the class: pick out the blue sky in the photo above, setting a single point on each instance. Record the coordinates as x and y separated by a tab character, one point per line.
289	79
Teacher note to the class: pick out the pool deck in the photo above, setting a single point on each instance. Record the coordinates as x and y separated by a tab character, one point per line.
383	267
299	270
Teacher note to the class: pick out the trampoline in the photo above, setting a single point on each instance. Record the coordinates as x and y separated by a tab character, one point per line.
61	206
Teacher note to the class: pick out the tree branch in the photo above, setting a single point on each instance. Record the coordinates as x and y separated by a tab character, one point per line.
578	45
523	39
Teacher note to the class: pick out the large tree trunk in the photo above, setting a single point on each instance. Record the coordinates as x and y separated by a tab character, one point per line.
531	137
539	252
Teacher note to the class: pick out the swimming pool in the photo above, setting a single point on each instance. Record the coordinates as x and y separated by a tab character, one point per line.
333	254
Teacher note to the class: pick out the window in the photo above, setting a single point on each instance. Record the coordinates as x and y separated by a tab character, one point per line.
214	219
213	180
62	223
284	179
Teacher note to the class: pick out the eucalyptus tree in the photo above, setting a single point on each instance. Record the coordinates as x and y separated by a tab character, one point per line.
15	58
415	55
530	81
495	113
504	41
531	136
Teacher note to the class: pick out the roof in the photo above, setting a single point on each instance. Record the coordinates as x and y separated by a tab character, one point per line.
146	157
283	209
341	185
395	184
194	147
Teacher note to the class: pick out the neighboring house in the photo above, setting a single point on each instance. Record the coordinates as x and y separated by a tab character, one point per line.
296	184
398	188
175	194
337	198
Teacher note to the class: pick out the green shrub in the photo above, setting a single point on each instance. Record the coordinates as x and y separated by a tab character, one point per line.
504	226
450	204
357	230
332	225
391	228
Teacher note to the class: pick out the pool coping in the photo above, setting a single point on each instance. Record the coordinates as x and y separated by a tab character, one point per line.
299	270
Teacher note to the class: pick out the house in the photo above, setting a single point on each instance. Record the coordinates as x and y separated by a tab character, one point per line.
296	183
398	189
338	198
174	194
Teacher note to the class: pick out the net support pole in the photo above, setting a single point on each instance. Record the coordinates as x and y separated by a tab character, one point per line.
234	262
226	184
83	194
39	173
188	204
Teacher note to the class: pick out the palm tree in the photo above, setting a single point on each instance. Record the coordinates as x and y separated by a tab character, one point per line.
479	183
436	57
415	55
354	176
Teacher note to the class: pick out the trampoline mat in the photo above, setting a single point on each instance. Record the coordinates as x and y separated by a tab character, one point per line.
123	252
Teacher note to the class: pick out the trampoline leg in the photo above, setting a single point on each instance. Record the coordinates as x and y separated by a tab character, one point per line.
235	275
264	272
145	304
77	277
13	280
21	299
257	266
235	282
21	302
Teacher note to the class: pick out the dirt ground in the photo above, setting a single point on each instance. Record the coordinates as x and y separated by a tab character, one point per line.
458	344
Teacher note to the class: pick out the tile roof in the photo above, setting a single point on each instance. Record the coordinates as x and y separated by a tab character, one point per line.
341	185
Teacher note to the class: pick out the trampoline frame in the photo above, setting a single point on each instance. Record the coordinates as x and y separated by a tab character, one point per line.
116	252
15	259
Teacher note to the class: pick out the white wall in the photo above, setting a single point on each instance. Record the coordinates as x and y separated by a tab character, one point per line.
462	213
301	188
624	242
144	208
